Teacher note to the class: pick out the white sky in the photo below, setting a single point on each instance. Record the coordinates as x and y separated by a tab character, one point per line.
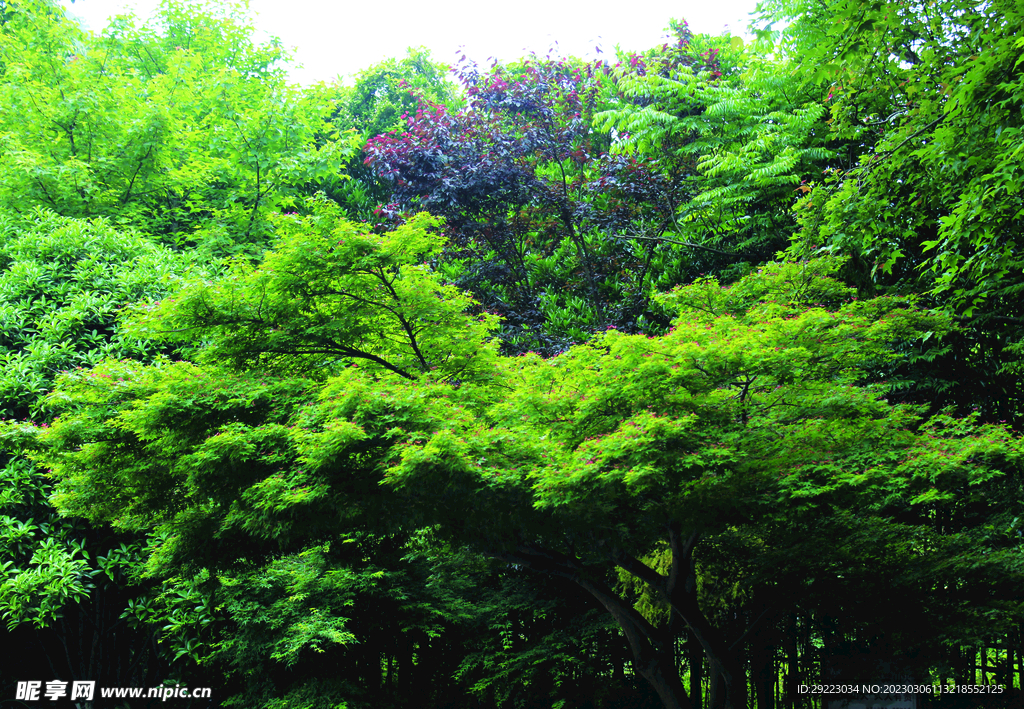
331	38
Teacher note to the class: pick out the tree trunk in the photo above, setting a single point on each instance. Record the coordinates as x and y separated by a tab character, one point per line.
726	670
405	664
663	677
1020	659
652	655
696	657
718	690
652	649
680	589
792	664
762	669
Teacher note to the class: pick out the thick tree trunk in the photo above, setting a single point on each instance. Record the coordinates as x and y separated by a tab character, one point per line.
727	675
652	656
665	680
652	649
680	589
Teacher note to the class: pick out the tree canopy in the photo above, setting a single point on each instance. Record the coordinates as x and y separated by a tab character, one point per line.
677	379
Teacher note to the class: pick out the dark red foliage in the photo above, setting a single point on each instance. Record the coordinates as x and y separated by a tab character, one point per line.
519	175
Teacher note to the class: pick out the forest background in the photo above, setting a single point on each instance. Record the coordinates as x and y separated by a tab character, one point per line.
674	380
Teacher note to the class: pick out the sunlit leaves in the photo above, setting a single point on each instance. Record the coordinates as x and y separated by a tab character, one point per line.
63	284
740	138
333	294
183	128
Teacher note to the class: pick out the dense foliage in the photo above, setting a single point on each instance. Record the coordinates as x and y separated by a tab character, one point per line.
183	128
64	281
676	380
931	95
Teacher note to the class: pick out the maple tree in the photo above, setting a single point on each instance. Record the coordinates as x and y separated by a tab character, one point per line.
757	409
545	226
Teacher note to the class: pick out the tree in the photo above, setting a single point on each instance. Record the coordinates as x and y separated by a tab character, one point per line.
329	296
740	136
379	284
545	228
929	201
755	421
183	128
63	282
756	414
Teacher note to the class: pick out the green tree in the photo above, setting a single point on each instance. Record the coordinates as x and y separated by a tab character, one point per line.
738	134
757	414
401	321
931	95
183	128
331	295
63	282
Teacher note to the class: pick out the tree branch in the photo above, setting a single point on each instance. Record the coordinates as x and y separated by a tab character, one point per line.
731	254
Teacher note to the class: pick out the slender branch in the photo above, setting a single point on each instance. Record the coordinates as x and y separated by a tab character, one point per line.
131	183
344	351
683	243
882	156
409	330
643	572
353	296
